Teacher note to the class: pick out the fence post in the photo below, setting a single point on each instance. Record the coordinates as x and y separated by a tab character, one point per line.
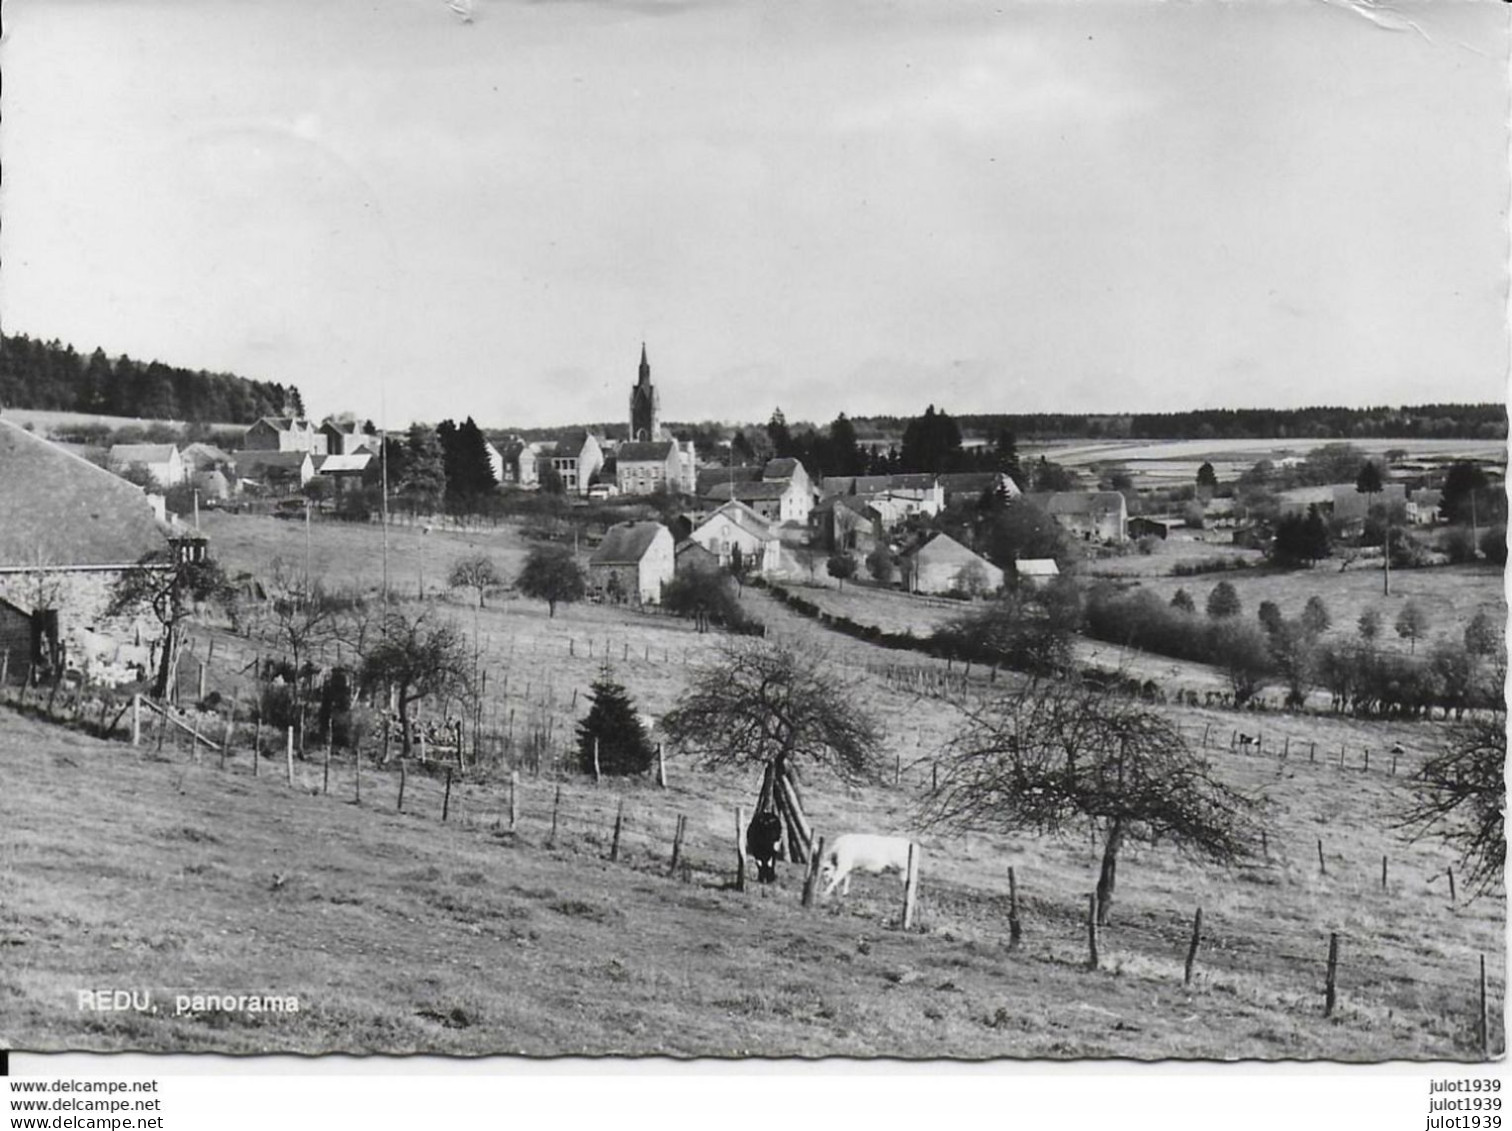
1322	867
1191	957
201	697
1092	962
556	805
325	772
446	797
911	886
136	716
619	820
1015	928
811	874
256	743
226	736
661	767
677	839
739	851
1452	895
403	777
596	771
289	754
1330	993
514	799
1485	1019
1383	871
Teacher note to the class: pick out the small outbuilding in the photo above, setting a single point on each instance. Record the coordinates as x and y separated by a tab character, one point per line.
632	563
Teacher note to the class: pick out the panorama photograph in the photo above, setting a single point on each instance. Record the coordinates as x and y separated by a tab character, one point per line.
710	529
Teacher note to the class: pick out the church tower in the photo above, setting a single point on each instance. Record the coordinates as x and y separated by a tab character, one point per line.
645	405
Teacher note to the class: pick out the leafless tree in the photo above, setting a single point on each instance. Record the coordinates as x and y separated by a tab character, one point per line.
475	571
1460	797
1044	756
420	657
763	703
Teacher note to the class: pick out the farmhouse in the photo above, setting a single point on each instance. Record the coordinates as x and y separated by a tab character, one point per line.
735	530
632	563
284	434
968	486
202	457
782	501
1423	506
1093	516
68	530
849	523
161	461
943	565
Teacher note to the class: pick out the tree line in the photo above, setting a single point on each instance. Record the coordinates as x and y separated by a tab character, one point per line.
49	375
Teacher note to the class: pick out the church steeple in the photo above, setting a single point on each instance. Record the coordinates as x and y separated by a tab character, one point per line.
645	405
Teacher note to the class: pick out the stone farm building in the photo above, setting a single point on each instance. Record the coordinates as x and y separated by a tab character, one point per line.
632	563
1092	516
285	434
68	530
943	565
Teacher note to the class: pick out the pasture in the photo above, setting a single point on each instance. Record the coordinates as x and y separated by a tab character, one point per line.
478	933
400	932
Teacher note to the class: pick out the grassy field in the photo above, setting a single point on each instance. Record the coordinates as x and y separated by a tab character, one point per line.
127	868
123	867
1450	595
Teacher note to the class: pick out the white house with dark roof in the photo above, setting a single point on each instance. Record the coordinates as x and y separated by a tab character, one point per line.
632	563
576	458
779	501
644	467
162	462
736	528
68	531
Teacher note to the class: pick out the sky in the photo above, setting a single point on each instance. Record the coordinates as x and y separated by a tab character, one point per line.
419	209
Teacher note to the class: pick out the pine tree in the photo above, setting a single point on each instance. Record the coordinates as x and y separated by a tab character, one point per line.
612	723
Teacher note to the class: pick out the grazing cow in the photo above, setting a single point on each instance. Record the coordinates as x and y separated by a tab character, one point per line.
764	844
865	852
1249	740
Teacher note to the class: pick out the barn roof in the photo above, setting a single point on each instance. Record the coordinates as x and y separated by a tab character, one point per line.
1095	503
742	516
124	454
942	548
751	489
626	543
345	464
59	509
784	468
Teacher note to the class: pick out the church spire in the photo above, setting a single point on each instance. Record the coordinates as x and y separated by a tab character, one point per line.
645	367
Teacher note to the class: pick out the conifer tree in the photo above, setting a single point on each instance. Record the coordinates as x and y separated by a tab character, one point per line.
612	722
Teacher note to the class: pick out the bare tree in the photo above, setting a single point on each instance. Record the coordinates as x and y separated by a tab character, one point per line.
1460	797
1042	757
419	657
476	571
764	703
771	705
170	584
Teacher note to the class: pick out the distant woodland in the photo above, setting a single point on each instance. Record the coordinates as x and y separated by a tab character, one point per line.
1444	421
52	376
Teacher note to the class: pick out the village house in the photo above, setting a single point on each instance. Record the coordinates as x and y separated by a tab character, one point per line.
943	565
284	434
782	501
849	524
345	438
632	563
1093	516
68	531
288	471
160	461
576	459
1423	506
968	486
644	467
734	531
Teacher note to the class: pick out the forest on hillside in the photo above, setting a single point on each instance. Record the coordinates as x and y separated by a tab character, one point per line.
1323	422
52	376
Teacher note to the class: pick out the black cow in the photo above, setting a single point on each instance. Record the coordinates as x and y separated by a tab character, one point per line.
764	845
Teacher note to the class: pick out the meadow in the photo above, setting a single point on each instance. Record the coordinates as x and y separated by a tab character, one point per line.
136	867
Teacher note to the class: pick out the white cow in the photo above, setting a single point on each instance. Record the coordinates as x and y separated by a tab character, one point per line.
865	852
